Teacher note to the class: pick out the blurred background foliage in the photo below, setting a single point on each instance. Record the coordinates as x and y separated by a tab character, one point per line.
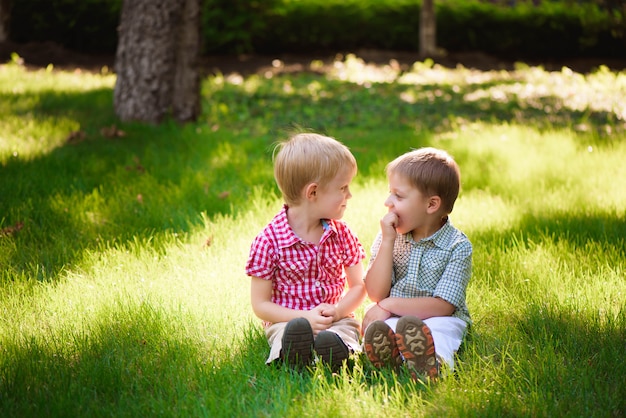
507	28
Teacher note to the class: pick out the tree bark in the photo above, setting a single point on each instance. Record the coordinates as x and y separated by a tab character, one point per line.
156	61
5	14
428	30
186	104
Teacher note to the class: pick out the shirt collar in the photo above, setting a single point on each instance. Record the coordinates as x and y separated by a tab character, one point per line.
287	237
440	238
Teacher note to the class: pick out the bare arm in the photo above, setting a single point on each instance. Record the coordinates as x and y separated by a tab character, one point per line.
353	298
378	276
422	307
265	309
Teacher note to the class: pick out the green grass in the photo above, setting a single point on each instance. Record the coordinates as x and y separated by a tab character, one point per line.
122	288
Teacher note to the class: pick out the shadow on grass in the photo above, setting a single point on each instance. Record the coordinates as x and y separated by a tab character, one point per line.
130	358
153	183
557	348
137	360
574	355
554	360
157	180
577	230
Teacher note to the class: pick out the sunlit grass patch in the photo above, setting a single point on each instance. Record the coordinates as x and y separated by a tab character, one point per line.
41	111
122	287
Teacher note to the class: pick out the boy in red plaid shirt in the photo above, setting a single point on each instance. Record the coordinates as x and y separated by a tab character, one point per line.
300	262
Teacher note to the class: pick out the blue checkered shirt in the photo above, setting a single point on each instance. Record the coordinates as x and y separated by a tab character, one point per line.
437	266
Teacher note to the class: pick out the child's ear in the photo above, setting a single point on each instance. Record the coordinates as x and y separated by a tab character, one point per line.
310	191
434	204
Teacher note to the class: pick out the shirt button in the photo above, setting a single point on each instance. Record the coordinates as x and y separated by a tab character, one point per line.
317	283
293	266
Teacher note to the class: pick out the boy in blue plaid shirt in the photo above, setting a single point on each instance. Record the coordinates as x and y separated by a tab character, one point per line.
419	268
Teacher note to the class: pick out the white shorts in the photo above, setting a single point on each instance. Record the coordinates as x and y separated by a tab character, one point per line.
447	332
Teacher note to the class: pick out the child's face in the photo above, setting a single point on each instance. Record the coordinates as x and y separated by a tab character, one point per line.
333	197
407	203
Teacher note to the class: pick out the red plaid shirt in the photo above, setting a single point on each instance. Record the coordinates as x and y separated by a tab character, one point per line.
303	274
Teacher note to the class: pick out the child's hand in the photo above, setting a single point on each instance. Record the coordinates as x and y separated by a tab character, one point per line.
317	319
374	313
388	225
329	310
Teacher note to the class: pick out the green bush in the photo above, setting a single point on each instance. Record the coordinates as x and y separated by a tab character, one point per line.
553	29
84	25
230	25
519	29
341	25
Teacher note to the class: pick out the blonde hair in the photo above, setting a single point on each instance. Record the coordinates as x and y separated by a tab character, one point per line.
432	171
307	158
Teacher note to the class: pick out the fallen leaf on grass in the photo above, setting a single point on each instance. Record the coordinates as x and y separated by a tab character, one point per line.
223	195
10	231
112	132
141	169
75	137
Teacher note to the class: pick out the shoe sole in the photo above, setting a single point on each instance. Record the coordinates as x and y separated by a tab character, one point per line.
380	345
416	345
331	349
298	342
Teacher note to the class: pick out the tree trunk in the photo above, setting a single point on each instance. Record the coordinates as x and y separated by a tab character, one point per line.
428	30
5	14
156	61
186	103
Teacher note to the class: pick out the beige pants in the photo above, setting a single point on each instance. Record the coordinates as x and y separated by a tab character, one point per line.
347	328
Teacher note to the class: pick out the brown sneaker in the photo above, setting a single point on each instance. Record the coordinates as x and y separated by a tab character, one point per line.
416	345
297	348
331	349
380	345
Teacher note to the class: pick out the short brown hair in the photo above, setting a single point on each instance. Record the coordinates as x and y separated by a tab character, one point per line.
433	171
309	158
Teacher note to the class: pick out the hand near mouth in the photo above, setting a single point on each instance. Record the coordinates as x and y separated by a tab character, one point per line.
388	225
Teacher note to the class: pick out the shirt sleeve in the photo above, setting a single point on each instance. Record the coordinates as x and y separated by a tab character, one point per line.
262	259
